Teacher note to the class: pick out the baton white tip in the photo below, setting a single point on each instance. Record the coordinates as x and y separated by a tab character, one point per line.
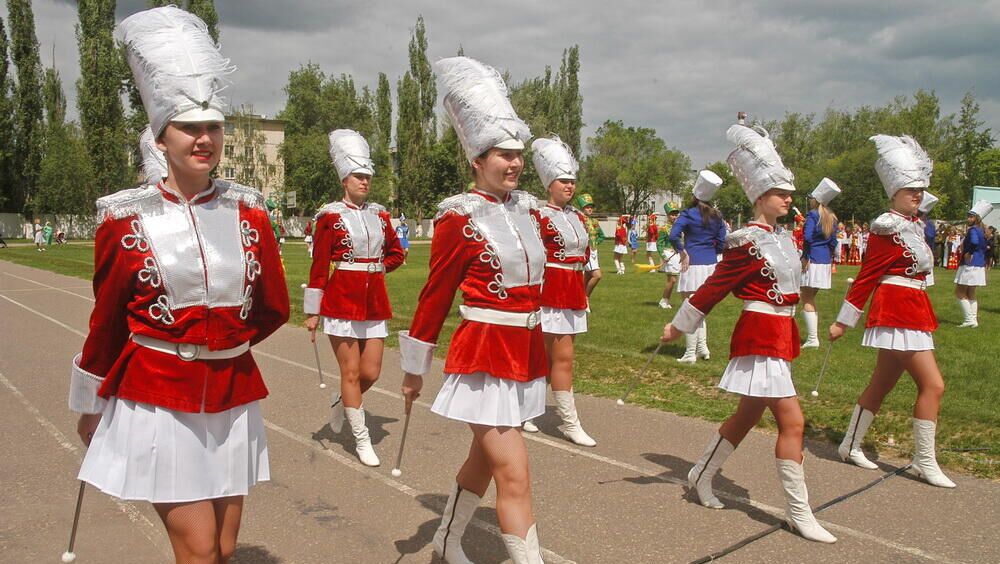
850	281
620	402
396	472
68	556
322	386
303	285
814	394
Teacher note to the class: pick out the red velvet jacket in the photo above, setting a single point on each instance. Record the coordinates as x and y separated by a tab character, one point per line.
757	265
205	272
352	235
566	243
652	231
621	235
896	247
490	250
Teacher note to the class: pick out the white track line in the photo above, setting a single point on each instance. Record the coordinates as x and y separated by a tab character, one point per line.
148	529
769	509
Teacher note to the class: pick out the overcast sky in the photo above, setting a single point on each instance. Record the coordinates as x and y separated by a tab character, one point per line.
682	68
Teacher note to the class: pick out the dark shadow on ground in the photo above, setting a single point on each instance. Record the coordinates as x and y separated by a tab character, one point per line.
250	554
479	545
376	430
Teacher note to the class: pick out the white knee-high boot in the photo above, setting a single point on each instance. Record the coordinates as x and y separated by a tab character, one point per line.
337	413
966	307
691	345
362	441
850	447
700	476
924	457
571	427
974	306
458	512
702	342
526	550
812	329
798	514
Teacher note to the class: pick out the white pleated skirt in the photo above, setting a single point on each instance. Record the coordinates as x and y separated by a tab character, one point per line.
356	329
594	263
692	278
817	276
758	376
149	453
671	264
971	275
930	278
896	339
651	247
487	400
559	321
621	249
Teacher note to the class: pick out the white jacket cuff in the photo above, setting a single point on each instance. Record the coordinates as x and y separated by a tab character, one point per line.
83	388
688	318
311	300
849	315
415	355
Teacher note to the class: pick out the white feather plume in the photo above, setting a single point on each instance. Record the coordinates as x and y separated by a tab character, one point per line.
553	159
476	99
154	162
349	152
176	64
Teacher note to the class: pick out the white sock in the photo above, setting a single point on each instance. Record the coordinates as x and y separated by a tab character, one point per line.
975	309
812	323
966	306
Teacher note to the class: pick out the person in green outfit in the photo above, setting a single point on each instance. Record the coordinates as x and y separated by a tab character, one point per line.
592	272
47	233
671	265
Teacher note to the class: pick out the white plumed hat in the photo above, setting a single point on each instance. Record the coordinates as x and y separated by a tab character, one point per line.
154	162
553	160
475	98
982	208
706	185
177	67
928	203
756	163
825	191
350	153
902	163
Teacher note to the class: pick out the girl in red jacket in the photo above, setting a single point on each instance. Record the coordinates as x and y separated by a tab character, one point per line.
358	239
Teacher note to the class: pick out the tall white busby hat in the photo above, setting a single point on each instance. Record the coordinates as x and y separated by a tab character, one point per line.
756	163
154	162
475	98
350	153
706	185
982	208
553	160
177	67
825	191
928	203
902	163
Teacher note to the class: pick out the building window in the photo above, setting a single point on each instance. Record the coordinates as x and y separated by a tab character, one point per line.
248	171
230	173
230	151
230	128
248	151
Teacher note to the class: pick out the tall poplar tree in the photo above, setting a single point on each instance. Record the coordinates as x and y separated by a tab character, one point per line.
99	94
205	9
6	125
27	102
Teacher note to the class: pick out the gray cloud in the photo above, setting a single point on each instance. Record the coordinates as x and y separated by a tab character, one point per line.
681	67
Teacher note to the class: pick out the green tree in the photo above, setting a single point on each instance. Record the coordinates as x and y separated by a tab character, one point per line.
54	99
99	94
64	174
205	9
420	70
730	199
384	182
7	140
626	166
988	167
29	130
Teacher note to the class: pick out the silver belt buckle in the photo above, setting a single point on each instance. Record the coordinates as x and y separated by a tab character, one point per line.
187	351
372	267
532	320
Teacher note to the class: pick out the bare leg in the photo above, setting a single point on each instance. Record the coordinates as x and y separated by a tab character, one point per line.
748	413
923	368
228	513
791	425
807	297
348	353
668	288
475	473
888	369
507	457
592	279
370	366
192	529
560	349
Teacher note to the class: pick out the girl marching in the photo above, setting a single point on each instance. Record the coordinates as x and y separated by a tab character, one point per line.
621	243
187	278
564	299
760	266
818	242
357	237
901	320
487	243
704	238
972	270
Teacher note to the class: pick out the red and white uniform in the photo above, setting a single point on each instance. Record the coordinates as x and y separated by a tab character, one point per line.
761	268
621	238
652	234
362	244
182	290
496	364
893	273
567	251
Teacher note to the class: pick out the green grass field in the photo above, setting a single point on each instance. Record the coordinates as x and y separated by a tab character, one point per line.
626	324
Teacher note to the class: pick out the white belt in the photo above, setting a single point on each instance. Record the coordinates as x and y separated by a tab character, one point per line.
361	266
565	266
189	351
769	308
904	281
496	317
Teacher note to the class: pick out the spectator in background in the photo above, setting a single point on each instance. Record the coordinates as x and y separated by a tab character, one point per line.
403	234
991	246
3	244
308	239
633	237
39	236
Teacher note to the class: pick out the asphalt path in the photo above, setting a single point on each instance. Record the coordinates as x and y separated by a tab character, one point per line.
623	501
